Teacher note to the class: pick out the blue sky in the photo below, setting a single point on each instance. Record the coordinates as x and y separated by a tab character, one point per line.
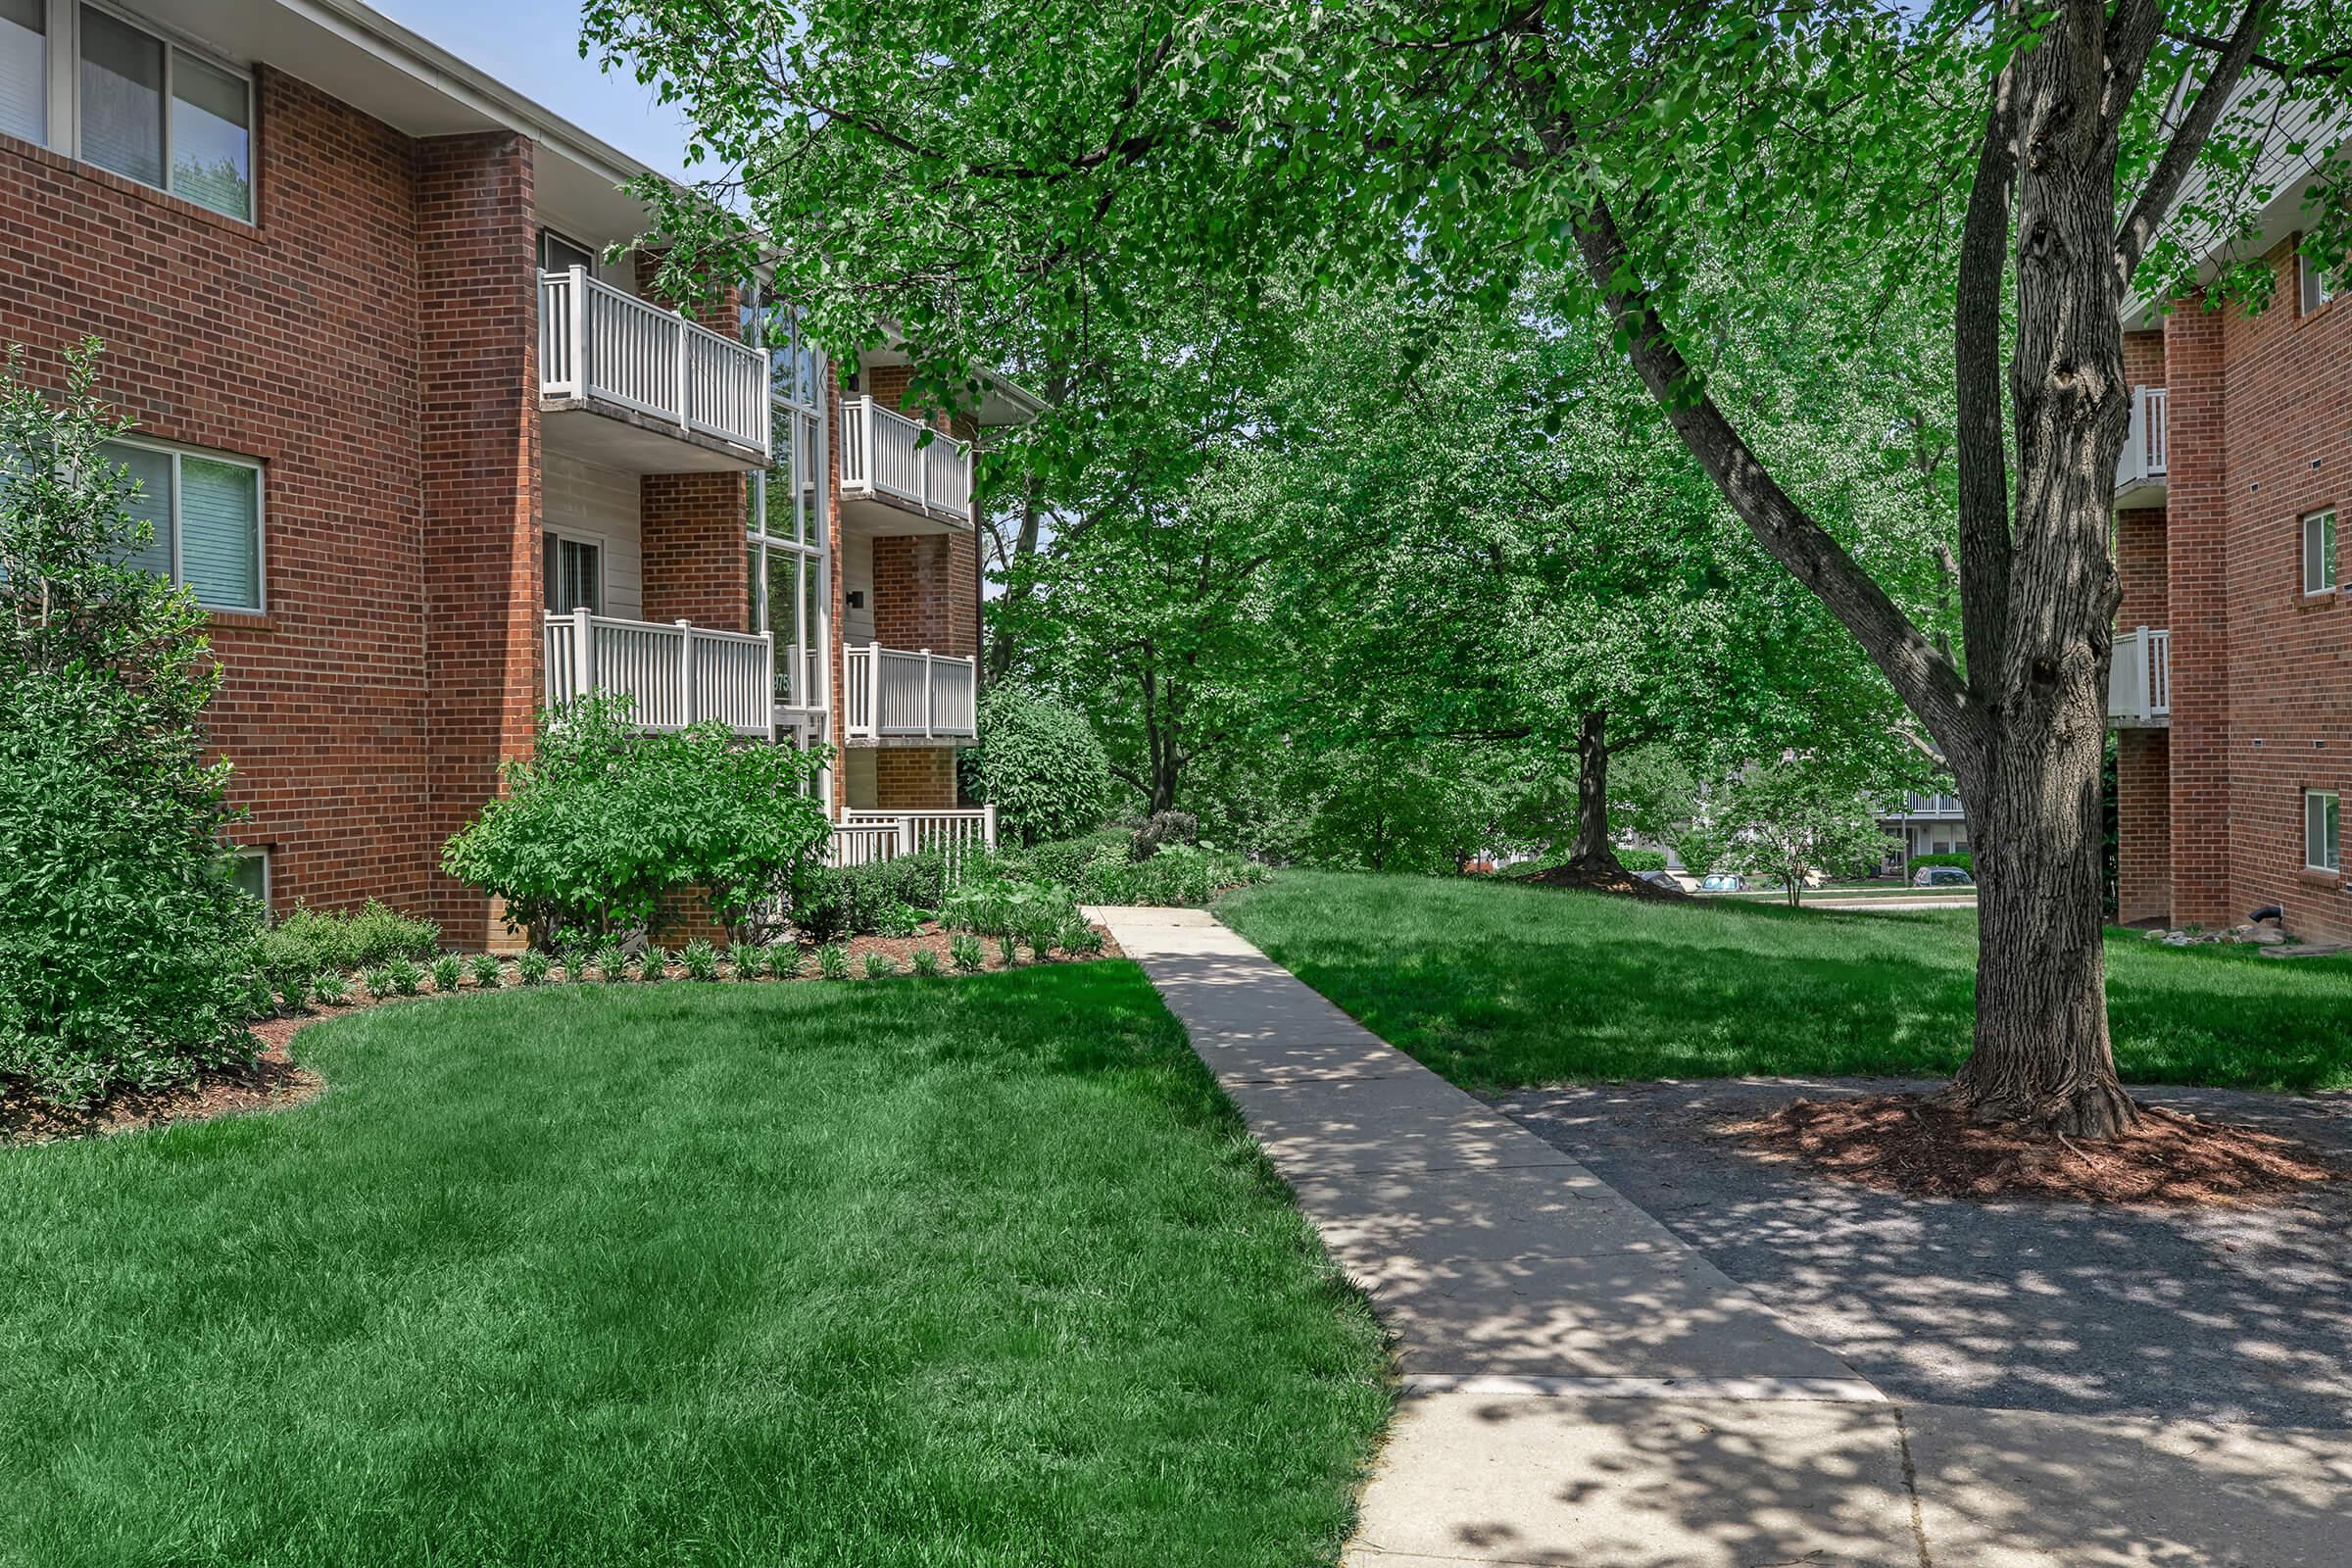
533	47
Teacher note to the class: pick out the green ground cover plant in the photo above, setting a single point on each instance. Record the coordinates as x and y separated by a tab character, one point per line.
307	941
1496	985
785	1276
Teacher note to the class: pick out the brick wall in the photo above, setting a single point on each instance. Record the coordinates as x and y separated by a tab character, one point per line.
293	340
2196	517
2143	824
909	779
925	592
690	527
477	348
2287	404
2141	567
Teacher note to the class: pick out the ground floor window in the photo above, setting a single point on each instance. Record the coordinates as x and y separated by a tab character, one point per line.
250	871
206	511
2322	830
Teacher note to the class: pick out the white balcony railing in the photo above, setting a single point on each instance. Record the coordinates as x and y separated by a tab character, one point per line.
675	674
881	456
600	345
888	691
861	838
2145	458
2139	678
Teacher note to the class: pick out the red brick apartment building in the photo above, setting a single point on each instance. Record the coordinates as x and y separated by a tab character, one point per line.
431	462
2231	688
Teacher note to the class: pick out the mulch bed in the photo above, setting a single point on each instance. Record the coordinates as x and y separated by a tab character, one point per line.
273	1082
1619	881
1925	1148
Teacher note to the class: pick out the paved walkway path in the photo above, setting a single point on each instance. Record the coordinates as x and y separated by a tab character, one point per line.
1582	1390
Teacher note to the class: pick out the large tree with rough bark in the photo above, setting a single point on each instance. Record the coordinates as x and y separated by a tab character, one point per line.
950	164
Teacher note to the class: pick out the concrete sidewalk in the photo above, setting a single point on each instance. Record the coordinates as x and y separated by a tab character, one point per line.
1582	1390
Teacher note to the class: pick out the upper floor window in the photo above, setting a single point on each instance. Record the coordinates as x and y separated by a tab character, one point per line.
2318	287
25	70
559	252
2319	553
206	511
2322	830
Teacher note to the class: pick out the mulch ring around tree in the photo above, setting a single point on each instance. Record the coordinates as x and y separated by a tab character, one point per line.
1613	879
1924	1148
273	1082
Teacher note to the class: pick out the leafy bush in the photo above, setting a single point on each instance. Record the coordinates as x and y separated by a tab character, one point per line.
612	963
1064	860
926	961
488	972
532	968
1642	860
1162	828
700	960
826	902
899	920
448	971
309	940
999	906
1180	876
963	950
1008	949
1040	764
1962	859
1079	939
606	819
330	988
879	966
833	962
127	956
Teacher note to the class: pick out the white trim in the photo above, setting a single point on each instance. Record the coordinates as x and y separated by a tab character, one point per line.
262	854
261	514
2312	797
66	99
2323	520
601	545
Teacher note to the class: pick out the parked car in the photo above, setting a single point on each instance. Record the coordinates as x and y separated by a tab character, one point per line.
1724	882
1661	879
1943	876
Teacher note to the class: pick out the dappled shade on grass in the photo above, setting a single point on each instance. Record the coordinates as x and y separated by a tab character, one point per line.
971	1272
1496	985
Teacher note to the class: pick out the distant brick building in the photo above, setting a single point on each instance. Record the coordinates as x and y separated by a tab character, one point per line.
433	463
2232	676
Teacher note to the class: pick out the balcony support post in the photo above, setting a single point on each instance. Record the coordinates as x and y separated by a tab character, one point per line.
686	712
583	652
577	328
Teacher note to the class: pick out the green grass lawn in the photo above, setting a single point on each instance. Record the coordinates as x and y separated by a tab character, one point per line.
1496	985
937	1273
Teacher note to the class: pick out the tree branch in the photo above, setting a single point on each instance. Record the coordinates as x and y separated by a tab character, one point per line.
2179	155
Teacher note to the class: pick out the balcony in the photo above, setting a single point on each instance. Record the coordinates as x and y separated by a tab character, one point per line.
864	838
2140	473
629	385
890	694
675	674
891	482
2140	680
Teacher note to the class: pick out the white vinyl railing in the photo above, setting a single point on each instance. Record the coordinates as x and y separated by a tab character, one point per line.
882	455
675	674
600	345
2145	457
2139	677
861	838
889	691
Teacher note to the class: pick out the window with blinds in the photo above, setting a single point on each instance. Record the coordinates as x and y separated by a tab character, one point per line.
25	70
203	517
159	114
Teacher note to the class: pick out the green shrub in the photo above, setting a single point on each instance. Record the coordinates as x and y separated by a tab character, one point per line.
406	977
309	940
1180	876
612	963
879	966
926	961
963	950
127	958
379	981
1008	949
653	964
883	899
833	962
1642	860
1079	939
1040	764
488	972
899	920
331	988
1000	906
448	971
605	820
700	960
1064	860
532	968
749	959
294	991
1963	858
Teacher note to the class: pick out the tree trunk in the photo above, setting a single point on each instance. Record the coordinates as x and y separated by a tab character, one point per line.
1592	850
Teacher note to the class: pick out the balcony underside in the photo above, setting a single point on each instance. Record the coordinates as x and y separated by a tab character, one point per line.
888	517
2147	492
901	742
615	437
2117	721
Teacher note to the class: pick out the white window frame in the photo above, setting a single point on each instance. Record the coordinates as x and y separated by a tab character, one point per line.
595	263
2327	853
2318	289
240	852
604	561
2323	522
797	416
261	516
64	97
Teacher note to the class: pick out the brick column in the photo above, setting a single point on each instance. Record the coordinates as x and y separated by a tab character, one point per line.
2197	593
478	374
